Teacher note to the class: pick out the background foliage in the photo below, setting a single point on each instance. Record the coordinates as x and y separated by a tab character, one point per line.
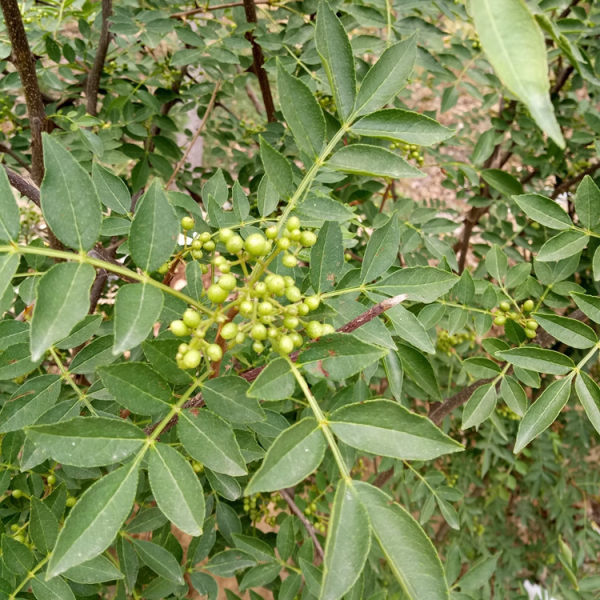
418	176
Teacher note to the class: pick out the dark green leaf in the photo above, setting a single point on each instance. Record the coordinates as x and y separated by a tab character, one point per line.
294	455
112	191
17	557
502	181
408	327
589	305
62	300
96	570
9	264
563	245
418	368
496	263
43	526
386	428
587	203
81	333
275	382
569	331
514	395
227	396
159	559
480	406
53	589
588	393
68	198
277	168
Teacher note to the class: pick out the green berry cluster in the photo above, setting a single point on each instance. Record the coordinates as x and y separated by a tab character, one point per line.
505	412
410	150
259	512
446	342
249	302
505	313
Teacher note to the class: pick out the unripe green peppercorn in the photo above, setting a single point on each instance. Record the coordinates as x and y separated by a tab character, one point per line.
17	494
312	302
289	260
179	328
276	284
265	308
209	246
214	352
257	347
308	238
225	234
528	305
291	322
285	344
292	223
71	501
227	282
314	329
217	294
530	333
191	318
283	243
531	324
229	331
328	328
51	479
293	294
205	237
246	308
191	359
271	232
256	245
234	245
500	320
258	332
505	306
197	244
187	223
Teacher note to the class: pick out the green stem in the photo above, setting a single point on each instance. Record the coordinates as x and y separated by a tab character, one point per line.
322	420
102	264
310	175
69	379
29	576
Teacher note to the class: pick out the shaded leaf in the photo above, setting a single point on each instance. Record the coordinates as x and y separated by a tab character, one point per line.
362	159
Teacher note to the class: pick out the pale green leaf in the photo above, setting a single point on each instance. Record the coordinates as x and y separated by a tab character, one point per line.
62	300
569	331
293	456
9	263
95	520
588	305
514	45
496	263
176	489
362	159
275	382
43	526
420	284
538	359
96	570
112	191
227	396
348	542
159	559
408	327
587	203
513	395
68	198
419	369
278	168
137	308
480	406
563	245
543	412
53	589
386	428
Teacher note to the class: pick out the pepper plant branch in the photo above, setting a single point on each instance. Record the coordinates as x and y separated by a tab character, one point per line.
287	496
25	64
93	80
204	9
567	184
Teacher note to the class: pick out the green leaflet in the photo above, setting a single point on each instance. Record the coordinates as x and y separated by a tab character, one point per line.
137	308
382	250
62	300
294	455
154	229
362	159
563	245
68	198
588	393
327	257
387	428
9	212
480	406
538	359
112	191
176	489
210	439
348	542
419	571
514	45
335	51
403	126
543	412
95	520
275	382
302	113
277	168
88	441
420	284
544	211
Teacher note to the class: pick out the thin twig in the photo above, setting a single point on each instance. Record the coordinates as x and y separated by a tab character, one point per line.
307	524
8	150
258	61
25	64
567	184
207	112
23	186
204	9
93	80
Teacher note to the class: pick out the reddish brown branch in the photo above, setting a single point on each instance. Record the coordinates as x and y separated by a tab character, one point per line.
25	64
258	61
204	9
93	81
23	186
287	496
